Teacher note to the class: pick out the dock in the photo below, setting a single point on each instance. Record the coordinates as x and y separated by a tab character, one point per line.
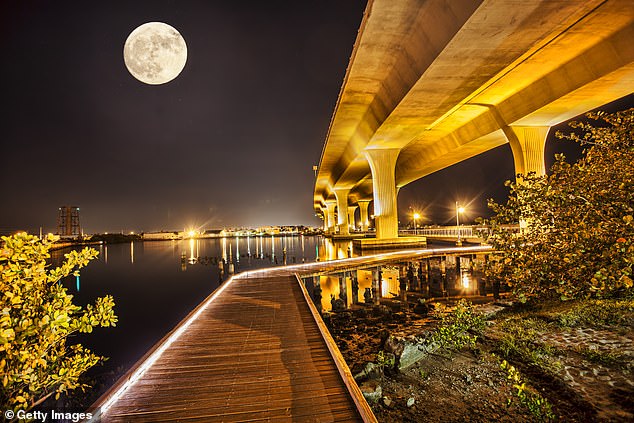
254	350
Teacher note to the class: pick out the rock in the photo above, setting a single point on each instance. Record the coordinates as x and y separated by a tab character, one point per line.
371	391
369	371
468	379
408	350
410	402
422	307
387	401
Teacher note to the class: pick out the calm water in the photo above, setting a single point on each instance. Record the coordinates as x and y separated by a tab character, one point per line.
155	284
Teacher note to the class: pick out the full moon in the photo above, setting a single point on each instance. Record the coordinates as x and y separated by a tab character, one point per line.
155	53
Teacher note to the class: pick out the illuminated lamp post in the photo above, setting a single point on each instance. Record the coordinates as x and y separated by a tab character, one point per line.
416	217
459	209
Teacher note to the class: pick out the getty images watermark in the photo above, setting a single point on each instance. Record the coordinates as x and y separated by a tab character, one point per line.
46	416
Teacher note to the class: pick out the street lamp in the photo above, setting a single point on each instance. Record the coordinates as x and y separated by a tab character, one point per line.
459	209
416	216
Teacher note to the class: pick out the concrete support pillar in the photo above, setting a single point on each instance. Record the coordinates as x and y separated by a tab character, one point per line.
324	211
330	216
363	214
383	165
342	210
527	144
351	221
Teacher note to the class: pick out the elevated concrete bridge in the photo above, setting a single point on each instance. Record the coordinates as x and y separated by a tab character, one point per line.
433	82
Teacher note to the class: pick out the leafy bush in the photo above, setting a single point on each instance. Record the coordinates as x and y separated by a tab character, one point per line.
36	317
577	237
456	328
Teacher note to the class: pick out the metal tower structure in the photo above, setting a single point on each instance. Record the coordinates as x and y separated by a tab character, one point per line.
68	222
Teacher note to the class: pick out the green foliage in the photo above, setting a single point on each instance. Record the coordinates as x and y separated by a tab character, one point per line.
385	360
607	358
36	317
454	331
596	313
520	341
539	406
577	236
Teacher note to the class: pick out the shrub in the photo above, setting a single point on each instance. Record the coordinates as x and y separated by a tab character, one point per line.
36	317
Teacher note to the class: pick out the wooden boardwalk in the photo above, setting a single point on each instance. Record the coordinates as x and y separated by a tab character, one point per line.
254	350
254	353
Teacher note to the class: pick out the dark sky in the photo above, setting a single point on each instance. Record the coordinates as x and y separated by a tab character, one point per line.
230	142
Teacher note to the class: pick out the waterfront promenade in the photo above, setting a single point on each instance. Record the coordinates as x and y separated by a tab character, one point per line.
254	350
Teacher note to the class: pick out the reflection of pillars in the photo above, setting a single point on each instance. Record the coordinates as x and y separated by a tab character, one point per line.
402	283
355	287
224	249
132	252
376	286
363	214
317	293
330	216
411	280
443	275
527	144
383	164
248	246
427	276
351	223
343	293
342	210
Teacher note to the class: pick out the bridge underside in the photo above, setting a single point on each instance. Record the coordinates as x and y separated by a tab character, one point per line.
432	83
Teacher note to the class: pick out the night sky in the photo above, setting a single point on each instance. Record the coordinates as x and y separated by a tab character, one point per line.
230	142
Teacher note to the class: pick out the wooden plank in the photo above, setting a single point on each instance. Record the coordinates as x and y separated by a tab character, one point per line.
255	353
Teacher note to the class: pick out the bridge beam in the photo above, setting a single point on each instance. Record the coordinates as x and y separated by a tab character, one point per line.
528	144
342	210
363	214
383	165
330	215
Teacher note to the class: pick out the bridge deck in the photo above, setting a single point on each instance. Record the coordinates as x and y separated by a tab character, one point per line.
255	353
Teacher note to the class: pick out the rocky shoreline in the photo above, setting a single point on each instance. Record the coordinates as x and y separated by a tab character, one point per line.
523	364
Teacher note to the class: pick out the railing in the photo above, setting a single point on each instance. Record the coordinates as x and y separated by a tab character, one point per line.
465	231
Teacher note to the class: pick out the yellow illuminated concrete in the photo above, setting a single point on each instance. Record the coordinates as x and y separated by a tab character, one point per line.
441	81
363	214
